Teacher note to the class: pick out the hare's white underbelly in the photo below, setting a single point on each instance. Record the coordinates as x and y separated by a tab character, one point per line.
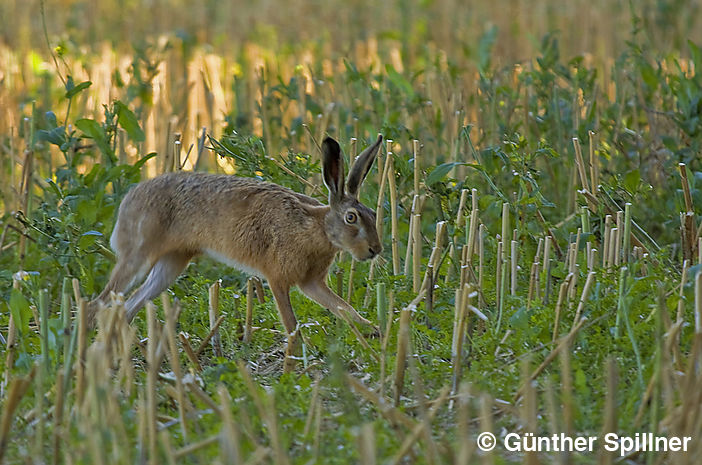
233	263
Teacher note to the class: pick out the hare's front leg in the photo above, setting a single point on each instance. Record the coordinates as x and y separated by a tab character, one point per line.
320	293
282	301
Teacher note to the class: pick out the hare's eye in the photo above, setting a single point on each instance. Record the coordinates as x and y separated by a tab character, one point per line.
350	218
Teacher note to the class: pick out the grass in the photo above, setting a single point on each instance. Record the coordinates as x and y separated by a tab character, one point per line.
539	215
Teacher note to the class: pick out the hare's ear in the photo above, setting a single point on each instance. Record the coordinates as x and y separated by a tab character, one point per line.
333	169
362	166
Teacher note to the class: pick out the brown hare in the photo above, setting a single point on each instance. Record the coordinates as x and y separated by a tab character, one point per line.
259	227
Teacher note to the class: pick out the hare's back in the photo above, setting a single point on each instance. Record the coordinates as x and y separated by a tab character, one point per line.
213	207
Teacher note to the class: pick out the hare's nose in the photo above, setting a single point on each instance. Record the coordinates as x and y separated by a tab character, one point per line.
374	250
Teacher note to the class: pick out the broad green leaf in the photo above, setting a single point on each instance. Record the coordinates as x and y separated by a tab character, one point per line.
520	319
77	89
87	211
50	118
440	172
94	130
485	48
399	80
88	238
648	74
696	54
91	128
56	136
631	180
128	120
144	159
19	308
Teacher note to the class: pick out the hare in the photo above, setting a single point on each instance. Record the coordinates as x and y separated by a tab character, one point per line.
259	227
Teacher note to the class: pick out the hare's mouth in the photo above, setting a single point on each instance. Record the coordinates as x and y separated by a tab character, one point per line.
370	254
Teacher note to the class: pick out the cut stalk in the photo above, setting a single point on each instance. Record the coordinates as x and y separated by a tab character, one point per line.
585	219
190	352
698	303
620	300
567	389
505	230
82	341
58	418
547	268
583	297
481	255
382	305
17	389
214	330
416	252
385	338
175	364
213	311
383	173
366	444
151	377
410	235
339	274
11	341
25	205
581	165
605	241
627	233
498	271
393	217
689	227
559	305
402	348
513	274
472	229
349	285
594	181
44	329
613	236
452	259
461	206
415	155
66	317
618	243
610	409
463	299
532	282
248	330
576	248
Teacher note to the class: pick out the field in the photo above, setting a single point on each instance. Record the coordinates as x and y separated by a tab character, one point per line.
538	197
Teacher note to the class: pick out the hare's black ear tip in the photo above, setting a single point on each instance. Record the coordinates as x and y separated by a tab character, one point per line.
330	144
380	138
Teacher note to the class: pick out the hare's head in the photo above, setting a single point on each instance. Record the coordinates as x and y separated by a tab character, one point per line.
349	225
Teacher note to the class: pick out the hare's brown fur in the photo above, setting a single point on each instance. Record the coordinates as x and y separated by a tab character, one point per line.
260	227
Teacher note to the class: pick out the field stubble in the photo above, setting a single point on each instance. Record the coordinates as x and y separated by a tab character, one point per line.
540	274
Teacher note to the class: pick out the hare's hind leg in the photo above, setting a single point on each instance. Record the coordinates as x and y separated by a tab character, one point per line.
128	271
162	275
133	259
320	293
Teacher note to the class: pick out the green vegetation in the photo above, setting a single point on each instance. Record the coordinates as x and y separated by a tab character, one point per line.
539	201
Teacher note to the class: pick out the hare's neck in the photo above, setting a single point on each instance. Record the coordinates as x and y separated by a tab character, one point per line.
320	212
